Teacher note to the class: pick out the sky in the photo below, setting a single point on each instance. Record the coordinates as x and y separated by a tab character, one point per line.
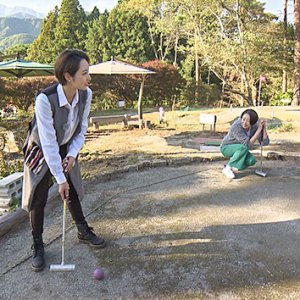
276	7
44	6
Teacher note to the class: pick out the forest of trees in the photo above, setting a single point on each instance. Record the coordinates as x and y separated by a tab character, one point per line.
216	52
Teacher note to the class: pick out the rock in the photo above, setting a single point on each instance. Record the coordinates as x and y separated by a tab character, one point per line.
274	156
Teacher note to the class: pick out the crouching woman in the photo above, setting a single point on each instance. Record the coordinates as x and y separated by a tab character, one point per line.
241	137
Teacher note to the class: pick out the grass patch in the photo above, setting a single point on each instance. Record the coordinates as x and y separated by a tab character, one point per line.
286	127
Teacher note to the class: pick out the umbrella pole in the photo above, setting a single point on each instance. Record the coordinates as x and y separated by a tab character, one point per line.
140	111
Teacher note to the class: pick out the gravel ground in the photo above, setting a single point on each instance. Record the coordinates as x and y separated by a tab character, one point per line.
173	232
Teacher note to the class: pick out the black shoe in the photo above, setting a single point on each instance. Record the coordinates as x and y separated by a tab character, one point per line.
38	261
86	235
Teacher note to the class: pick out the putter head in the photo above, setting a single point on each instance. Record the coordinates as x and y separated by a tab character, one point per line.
261	173
62	268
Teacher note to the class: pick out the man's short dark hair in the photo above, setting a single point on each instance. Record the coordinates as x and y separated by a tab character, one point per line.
68	62
253	115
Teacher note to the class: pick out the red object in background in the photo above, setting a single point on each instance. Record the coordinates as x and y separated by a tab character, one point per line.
262	78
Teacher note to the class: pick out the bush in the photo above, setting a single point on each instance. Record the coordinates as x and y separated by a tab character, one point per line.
286	127
164	86
8	167
109	88
282	99
19	127
104	102
15	203
209	94
21	92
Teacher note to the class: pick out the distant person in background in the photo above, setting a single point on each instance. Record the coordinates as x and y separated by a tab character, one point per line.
241	137
56	136
161	114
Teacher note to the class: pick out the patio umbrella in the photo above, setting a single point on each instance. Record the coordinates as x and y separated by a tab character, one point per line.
116	67
23	68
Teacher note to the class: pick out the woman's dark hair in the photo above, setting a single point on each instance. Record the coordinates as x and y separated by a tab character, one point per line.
253	115
68	62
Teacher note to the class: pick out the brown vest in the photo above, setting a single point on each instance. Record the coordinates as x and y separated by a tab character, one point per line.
60	121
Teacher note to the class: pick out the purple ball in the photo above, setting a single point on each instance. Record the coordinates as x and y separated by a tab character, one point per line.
98	274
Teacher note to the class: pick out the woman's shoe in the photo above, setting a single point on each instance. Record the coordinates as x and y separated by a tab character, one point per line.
86	235
227	171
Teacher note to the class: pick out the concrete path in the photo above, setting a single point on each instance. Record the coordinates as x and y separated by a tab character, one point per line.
181	232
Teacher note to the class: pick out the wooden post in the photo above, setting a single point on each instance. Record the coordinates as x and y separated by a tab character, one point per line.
140	111
259	91
285	51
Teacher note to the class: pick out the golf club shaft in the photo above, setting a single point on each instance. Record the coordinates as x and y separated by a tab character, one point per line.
261	149
63	233
62	266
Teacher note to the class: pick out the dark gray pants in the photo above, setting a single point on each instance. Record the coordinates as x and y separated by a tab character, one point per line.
39	201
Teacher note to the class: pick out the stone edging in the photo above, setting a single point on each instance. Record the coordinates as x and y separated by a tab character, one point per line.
105	176
10	220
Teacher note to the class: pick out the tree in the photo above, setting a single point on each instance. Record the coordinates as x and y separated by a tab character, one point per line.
285	27
296	96
20	50
128	36
96	43
94	15
42	49
71	28
234	39
164	20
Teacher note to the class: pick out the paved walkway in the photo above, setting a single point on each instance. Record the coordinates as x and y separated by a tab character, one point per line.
177	232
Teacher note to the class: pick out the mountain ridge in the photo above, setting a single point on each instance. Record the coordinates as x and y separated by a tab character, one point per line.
19	12
18	31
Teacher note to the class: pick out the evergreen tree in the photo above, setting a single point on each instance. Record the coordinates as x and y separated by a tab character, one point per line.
94	15
128	36
96	42
71	28
42	49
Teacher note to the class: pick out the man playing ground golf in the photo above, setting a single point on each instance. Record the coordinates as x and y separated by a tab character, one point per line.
241	137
